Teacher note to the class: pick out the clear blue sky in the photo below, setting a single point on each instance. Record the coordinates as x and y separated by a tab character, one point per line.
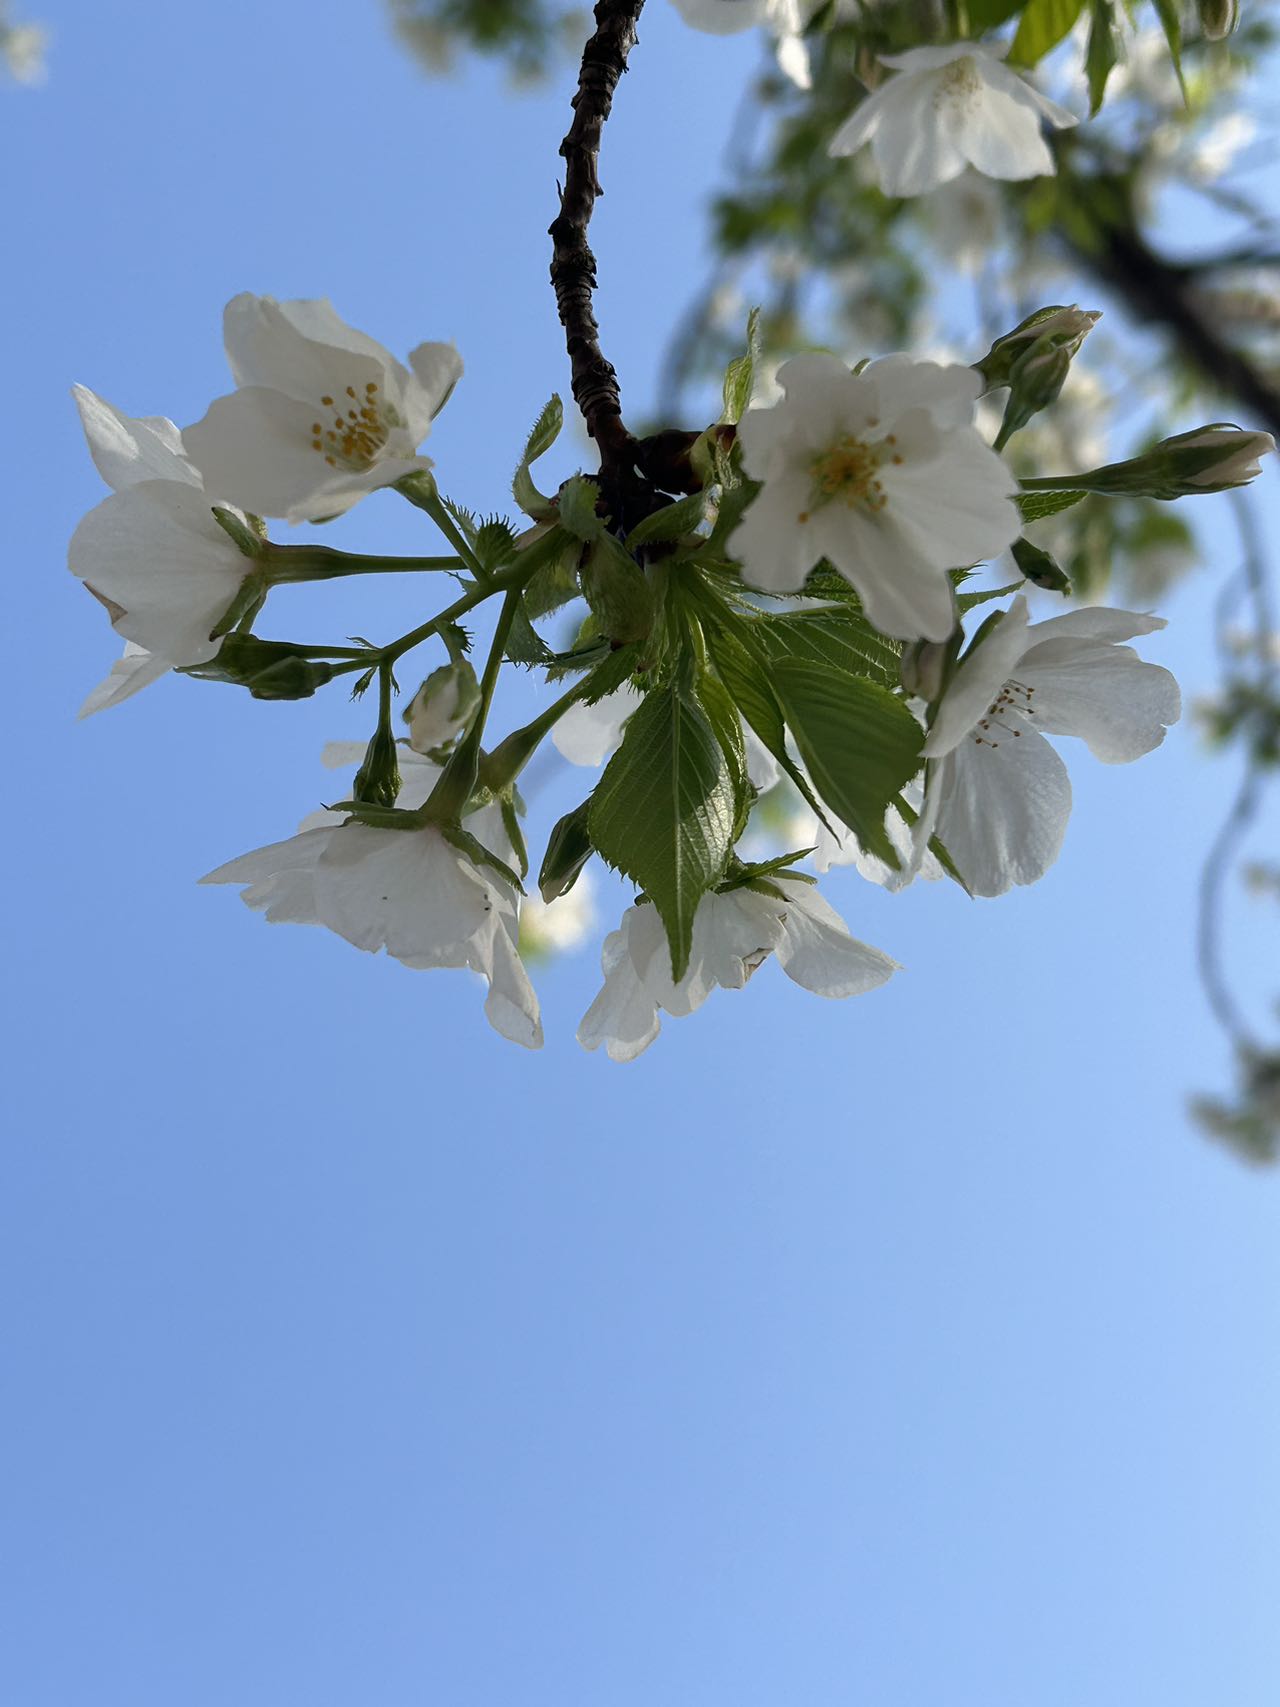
907	1351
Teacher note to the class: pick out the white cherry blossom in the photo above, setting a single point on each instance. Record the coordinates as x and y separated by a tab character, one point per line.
323	414
152	553
883	473
408	891
785	19
733	934
998	795
948	108
134	670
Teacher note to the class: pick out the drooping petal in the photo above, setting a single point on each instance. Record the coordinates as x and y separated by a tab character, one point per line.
1003	810
587	734
1012	87
132	672
936	58
1094	622
914	148
817	951
977	683
280	877
128	449
437	369
860	126
722	17
1002	138
793	61
624	1016
903	594
512	1004
405	890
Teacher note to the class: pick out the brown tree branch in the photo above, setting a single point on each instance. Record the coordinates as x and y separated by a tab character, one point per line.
573	266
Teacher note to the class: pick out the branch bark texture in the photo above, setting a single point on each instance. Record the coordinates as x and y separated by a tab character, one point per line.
573	266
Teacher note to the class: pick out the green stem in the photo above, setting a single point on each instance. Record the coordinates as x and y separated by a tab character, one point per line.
290	563
504	764
457	782
422	492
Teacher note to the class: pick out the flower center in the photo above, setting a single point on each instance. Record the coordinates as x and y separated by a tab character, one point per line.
960	82
360	430
1014	699
849	472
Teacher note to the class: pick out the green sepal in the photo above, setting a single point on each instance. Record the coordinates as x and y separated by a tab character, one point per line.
377	782
246	538
478	854
1040	568
270	669
250	597
378	817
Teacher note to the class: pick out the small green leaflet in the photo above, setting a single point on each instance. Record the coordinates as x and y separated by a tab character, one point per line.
577	508
739	379
1171	23
1042	26
1035	506
672	521
663	812
546	429
859	743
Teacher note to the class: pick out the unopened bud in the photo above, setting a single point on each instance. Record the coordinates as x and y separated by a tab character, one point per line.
1213	458
1039	568
926	665
1218	18
270	669
1064	327
378	779
443	706
568	850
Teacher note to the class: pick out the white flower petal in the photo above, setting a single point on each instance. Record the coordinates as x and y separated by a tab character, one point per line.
588	734
127	449
300	348
915	149
1104	693
512	1005
1002	138
624	1016
281	877
132	672
817	951
437	369
1002	810
978	681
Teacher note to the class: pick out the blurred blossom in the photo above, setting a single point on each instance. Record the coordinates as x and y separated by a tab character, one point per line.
548	928
22	47
964	219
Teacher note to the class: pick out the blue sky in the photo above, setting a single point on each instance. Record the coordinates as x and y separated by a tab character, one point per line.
910	1350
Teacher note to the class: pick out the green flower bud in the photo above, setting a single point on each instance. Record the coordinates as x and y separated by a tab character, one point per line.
568	850
443	706
1066	328
1208	459
378	779
1039	568
270	669
1218	18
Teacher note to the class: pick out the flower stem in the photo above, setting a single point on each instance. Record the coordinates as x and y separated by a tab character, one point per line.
287	563
457	782
503	765
421	491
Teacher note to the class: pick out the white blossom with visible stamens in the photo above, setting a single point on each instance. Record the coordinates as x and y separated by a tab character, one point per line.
152	553
997	795
733	934
323	414
408	891
948	108
884	474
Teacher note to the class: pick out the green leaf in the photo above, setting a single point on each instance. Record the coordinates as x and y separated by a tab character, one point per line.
739	379
1042	26
968	601
1102	53
611	673
844	639
662	813
524	644
673	521
1171	23
1035	506
723	716
546	429
555	583
859	743
577	507
985	15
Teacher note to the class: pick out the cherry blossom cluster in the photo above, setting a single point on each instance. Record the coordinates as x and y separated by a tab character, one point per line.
790	615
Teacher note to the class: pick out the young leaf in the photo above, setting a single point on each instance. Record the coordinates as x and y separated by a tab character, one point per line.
1035	506
1102	53
577	507
1042	26
739	379
843	639
546	430
673	521
1171	24
723	716
859	742
663	811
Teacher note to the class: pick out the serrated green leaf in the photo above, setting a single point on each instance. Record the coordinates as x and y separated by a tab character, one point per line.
662	813
859	743
546	429
1035	506
611	673
969	601
525	645
739	379
577	508
843	639
723	716
672	521
1041	27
